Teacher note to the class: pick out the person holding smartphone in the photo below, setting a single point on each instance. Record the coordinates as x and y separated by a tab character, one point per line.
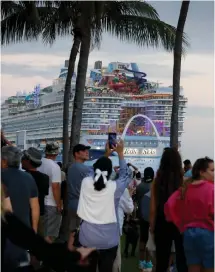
98	206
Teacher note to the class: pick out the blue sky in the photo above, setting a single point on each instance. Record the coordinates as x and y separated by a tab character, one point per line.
27	64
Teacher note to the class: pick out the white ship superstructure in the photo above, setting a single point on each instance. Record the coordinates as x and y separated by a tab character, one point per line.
113	95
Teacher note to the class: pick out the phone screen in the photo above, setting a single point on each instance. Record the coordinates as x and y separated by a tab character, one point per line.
112	139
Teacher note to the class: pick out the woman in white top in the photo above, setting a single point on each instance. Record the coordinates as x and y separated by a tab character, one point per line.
98	208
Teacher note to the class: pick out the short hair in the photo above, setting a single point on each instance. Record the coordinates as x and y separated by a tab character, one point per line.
12	155
187	162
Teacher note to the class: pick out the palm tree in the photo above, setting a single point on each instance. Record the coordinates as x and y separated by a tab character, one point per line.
86	20
131	21
27	21
178	50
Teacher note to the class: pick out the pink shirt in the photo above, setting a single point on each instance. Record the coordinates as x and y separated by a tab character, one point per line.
196	210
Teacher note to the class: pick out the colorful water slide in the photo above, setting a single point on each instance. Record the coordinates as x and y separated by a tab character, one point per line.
139	76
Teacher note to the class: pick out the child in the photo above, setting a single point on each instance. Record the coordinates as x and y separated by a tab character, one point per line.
191	209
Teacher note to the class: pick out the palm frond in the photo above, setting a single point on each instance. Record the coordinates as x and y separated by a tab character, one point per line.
143	31
131	21
18	27
137	8
9	7
60	20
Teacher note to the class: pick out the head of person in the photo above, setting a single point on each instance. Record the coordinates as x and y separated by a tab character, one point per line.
148	175
60	165
10	157
32	159
81	153
52	150
137	176
203	169
187	165
103	170
169	175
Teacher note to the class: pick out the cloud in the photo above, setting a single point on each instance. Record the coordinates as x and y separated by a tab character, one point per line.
199	25
199	111
36	60
198	138
30	71
11	84
41	65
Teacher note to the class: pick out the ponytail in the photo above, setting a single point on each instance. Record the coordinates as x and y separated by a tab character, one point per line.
103	170
99	184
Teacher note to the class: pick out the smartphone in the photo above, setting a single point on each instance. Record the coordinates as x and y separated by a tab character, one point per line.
112	139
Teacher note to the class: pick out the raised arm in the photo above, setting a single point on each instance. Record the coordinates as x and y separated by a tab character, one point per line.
124	174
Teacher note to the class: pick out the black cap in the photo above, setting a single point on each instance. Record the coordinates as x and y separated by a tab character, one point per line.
80	147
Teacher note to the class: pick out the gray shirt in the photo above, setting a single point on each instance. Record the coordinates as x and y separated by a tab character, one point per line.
76	173
145	206
141	190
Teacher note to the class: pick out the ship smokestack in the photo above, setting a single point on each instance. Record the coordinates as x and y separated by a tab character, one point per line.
98	64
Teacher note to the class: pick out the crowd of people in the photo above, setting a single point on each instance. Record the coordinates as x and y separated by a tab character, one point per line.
56	219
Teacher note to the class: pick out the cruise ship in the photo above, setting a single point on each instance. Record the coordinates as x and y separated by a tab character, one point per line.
118	98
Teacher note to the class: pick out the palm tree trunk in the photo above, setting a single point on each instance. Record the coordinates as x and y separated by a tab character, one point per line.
177	73
72	59
79	92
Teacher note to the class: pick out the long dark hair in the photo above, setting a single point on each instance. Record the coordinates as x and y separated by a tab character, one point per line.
169	176
103	164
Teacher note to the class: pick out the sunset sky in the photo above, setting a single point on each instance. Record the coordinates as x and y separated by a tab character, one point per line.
27	64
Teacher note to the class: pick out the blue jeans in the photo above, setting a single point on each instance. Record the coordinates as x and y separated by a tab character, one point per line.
199	247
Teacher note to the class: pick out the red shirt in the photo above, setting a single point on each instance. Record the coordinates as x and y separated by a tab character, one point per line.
196	210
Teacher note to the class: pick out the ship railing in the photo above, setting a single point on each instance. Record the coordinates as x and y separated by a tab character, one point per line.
101	94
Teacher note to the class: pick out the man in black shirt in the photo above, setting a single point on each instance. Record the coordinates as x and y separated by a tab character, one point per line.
31	160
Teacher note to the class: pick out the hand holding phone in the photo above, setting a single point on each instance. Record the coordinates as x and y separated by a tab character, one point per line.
112	140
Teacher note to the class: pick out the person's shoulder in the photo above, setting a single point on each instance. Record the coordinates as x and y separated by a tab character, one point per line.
142	186
4	172
24	174
26	178
50	163
87	182
41	175
46	162
79	166
209	185
139	186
